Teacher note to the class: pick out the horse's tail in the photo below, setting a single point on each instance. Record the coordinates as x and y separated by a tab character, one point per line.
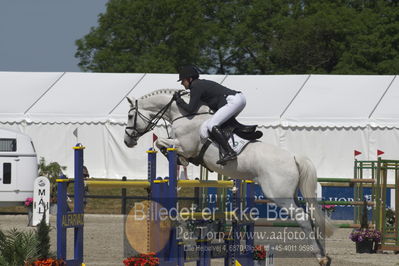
308	187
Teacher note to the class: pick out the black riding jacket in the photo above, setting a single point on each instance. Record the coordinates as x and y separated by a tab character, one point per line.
209	92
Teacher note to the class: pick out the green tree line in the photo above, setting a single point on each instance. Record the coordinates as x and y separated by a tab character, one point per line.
245	37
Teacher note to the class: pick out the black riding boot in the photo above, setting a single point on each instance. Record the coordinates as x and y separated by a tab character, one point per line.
229	153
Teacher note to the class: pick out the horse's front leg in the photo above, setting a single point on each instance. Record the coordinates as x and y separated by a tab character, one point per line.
163	143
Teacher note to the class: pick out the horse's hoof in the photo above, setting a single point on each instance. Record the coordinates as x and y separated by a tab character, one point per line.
326	261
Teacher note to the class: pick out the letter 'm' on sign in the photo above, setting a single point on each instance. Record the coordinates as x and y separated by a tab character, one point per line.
42	192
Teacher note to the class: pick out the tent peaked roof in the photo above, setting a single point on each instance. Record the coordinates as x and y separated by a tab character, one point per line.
287	100
21	90
337	100
83	97
386	112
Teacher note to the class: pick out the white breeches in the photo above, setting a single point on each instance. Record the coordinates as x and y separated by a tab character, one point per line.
235	104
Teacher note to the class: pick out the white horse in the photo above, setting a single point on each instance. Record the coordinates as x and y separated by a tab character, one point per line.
278	172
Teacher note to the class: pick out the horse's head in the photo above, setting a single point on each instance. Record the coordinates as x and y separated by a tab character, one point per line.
153	107
137	124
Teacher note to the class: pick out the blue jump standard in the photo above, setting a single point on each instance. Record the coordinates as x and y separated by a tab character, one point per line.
165	193
71	219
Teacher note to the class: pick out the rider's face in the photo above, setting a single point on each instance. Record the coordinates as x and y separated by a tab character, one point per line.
185	83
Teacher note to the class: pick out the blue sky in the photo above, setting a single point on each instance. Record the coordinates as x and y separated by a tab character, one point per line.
40	35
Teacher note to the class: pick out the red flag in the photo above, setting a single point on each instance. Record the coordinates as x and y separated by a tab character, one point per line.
379	152
154	137
357	153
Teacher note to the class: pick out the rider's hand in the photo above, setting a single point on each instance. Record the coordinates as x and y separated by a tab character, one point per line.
176	96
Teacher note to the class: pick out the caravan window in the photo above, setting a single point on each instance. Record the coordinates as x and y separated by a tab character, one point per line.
7	145
6	173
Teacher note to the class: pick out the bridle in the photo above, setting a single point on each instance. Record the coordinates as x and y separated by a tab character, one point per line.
135	134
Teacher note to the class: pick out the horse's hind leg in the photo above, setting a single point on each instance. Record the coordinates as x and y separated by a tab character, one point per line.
310	240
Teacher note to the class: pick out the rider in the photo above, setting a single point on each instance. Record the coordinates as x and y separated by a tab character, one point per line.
226	103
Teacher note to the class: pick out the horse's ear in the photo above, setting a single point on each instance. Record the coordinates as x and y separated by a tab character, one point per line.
131	101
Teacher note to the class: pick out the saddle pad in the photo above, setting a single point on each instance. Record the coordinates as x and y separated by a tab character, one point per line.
238	144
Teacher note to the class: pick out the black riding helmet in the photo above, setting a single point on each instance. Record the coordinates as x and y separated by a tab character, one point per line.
188	72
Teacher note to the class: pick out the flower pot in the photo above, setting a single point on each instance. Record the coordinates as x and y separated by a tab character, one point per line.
259	262
366	246
30	216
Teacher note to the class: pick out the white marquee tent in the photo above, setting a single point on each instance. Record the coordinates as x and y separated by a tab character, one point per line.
325	117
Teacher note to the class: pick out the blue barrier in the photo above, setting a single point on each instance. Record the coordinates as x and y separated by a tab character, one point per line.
165	193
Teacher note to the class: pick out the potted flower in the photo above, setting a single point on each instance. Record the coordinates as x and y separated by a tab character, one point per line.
366	239
28	204
147	259
328	209
47	262
259	255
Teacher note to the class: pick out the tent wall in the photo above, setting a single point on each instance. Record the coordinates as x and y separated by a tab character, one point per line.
106	156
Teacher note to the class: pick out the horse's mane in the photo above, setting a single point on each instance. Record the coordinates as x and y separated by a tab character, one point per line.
168	92
159	91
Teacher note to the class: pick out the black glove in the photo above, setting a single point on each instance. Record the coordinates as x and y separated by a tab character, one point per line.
176	96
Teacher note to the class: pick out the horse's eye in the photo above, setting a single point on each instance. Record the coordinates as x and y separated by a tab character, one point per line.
129	116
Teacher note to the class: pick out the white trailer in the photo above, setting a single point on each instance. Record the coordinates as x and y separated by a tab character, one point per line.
18	167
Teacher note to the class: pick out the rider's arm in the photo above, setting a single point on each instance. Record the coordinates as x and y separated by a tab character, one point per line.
193	105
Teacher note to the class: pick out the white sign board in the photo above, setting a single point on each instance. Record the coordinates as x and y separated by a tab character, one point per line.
41	200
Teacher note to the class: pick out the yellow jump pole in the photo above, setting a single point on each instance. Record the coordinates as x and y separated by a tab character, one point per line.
118	184
211	183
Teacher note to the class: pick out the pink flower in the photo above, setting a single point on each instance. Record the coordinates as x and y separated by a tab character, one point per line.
28	202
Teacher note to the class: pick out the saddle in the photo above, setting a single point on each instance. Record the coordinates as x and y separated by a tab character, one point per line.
248	132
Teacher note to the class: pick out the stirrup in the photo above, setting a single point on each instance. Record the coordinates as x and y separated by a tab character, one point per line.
226	158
